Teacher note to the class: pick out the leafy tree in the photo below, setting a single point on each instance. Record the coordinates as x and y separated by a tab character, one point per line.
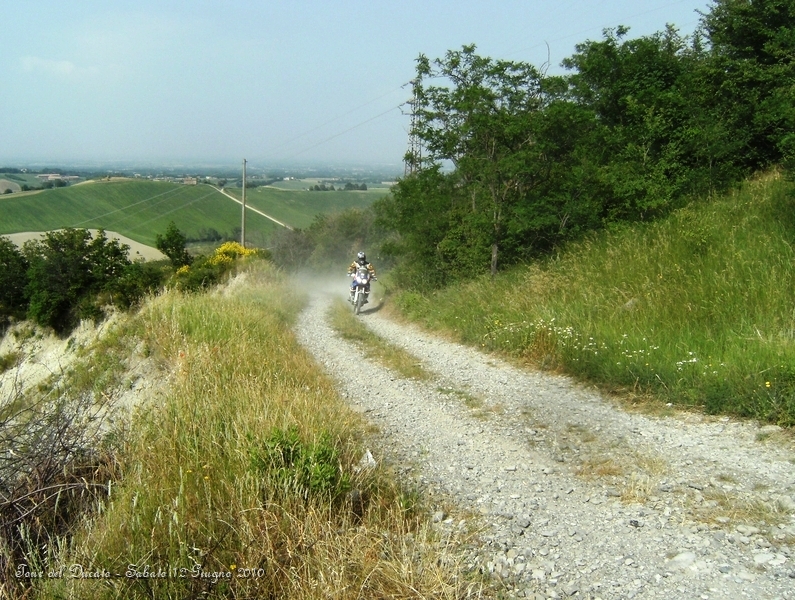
479	119
172	244
13	279
657	141
66	269
750	75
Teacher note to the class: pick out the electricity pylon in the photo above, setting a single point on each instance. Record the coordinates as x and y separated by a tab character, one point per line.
413	157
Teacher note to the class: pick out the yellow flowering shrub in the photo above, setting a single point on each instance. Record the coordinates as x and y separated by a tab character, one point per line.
233	250
183	270
220	260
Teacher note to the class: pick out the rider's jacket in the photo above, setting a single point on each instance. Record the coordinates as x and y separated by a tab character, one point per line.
355	265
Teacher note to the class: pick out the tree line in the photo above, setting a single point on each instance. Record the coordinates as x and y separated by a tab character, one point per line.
515	162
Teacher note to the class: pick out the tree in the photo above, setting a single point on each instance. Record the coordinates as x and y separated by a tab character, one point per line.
479	119
13	279
750	75
66	268
172	244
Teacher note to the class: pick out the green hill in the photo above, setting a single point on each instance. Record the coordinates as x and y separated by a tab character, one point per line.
298	207
696	309
137	209
141	209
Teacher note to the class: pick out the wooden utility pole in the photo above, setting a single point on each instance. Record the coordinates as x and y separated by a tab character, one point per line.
243	219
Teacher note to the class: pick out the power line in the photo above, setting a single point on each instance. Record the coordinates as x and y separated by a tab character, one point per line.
337	118
584	31
125	208
176	209
328	139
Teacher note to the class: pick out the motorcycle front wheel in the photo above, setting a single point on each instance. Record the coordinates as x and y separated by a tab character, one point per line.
358	302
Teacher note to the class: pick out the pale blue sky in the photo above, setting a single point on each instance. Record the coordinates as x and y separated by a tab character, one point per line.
272	81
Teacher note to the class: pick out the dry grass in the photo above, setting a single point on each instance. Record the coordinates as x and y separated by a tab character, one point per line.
740	509
198	495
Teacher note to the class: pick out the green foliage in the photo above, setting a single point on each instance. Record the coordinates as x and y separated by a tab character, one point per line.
200	275
68	275
296	469
639	127
330	242
479	118
13	279
750	73
172	244
66	269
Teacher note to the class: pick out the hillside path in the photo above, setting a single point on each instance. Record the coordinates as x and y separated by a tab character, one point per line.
251	208
573	495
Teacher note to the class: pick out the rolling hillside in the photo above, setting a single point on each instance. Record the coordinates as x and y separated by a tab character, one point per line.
298	207
141	209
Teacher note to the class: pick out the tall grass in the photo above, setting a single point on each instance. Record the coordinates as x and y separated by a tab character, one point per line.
697	309
243	481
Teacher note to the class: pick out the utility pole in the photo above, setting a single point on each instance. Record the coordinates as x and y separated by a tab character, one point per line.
243	219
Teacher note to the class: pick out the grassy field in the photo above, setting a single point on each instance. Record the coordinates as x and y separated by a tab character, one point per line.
137	209
298	207
697	309
243	482
141	209
22	178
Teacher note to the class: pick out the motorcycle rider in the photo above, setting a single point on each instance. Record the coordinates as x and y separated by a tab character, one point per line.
361	261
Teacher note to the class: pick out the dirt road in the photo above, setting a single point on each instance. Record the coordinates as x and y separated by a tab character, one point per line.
575	496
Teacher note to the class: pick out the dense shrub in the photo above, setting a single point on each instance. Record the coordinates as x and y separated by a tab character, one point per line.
68	276
172	244
206	271
66	269
13	279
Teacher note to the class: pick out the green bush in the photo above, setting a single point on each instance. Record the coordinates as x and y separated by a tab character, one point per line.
172	244
65	268
298	469
72	276
13	279
695	309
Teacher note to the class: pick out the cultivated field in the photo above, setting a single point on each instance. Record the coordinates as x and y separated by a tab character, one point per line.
297	206
141	209
136	209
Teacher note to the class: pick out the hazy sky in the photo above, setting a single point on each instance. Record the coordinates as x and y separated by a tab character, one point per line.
272	81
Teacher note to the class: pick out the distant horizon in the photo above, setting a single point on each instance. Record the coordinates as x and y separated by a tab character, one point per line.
252	166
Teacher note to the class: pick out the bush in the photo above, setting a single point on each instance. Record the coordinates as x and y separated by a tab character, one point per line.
209	270
13	279
71	276
297	469
62	275
172	244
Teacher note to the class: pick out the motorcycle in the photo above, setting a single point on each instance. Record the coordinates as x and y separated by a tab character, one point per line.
362	279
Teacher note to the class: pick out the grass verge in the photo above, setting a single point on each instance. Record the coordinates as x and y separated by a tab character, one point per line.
695	309
350	328
243	482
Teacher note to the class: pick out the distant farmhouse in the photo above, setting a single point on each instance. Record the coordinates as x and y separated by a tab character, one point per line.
189	181
57	177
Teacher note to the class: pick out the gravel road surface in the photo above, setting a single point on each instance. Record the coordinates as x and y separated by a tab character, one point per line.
574	496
